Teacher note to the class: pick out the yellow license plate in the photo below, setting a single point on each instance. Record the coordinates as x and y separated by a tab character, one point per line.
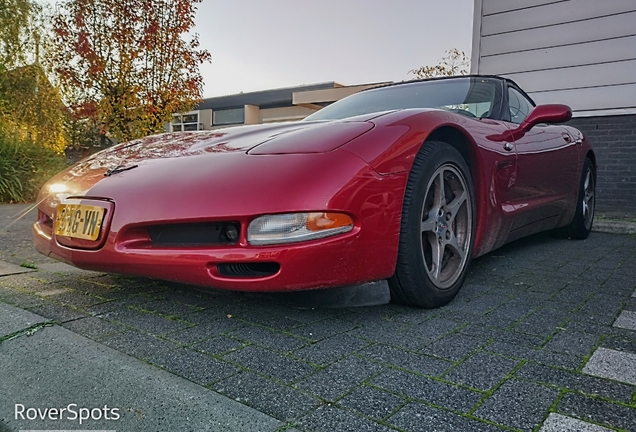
79	221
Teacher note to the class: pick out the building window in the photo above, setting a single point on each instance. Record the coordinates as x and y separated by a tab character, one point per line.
229	116
185	122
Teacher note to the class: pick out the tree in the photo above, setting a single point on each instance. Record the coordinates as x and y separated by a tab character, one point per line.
455	62
15	16
30	106
128	63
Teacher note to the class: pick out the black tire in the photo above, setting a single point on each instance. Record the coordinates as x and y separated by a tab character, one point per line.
581	225
435	227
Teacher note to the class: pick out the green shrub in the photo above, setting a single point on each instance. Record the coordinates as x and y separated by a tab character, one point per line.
24	167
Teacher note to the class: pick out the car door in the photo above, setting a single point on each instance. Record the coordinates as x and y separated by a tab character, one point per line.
546	169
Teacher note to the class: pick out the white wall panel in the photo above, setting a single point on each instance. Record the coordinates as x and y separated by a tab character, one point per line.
498	6
553	13
609	50
595	98
562	34
578	77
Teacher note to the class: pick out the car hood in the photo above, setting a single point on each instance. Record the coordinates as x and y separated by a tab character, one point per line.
169	157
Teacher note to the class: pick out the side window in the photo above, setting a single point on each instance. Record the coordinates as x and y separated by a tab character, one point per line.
519	106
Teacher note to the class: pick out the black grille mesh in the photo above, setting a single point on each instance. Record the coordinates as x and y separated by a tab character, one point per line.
195	234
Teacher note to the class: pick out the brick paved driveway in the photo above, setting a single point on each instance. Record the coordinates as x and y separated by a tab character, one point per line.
532	342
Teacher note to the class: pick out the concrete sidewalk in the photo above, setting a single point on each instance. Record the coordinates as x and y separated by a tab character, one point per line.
46	366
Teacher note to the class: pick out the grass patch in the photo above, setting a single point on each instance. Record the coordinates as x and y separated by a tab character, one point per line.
29	265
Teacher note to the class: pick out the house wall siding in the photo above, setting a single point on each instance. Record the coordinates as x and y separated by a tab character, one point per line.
581	52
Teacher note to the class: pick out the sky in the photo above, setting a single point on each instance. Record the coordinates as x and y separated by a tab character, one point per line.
265	44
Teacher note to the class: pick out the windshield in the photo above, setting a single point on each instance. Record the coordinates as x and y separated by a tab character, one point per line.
471	96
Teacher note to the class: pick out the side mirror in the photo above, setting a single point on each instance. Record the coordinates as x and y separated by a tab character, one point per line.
554	113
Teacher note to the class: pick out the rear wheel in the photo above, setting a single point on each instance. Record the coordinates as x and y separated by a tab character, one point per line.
436	233
581	225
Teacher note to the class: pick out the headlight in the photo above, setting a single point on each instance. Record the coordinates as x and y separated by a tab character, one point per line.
296	227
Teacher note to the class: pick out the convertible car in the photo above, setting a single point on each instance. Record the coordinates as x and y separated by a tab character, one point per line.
406	182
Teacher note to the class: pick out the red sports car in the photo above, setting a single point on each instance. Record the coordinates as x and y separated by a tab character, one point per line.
406	182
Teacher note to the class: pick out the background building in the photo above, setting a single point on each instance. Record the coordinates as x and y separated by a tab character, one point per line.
268	106
578	52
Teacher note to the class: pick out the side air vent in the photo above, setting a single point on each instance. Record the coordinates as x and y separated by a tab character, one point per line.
195	234
247	270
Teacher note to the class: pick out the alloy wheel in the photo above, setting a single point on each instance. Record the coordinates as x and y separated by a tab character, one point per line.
446	226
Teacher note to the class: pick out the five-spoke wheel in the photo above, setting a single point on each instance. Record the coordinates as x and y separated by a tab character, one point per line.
436	233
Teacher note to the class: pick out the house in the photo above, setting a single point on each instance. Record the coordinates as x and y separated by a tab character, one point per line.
577	52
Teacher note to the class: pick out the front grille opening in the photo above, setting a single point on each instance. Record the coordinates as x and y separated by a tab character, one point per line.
260	269
195	234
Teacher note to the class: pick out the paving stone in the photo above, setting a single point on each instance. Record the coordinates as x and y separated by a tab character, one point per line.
624	282
330	418
617	365
407	360
138	344
576	381
435	392
518	404
549	285
19	299
269	339
267	396
543	322
481	371
11	269
196	367
329	350
573	294
339	378
269	363
594	318
416	315
618	343
478	305
320	330
171	308
372	402
433	329
417	417
574	343
394	336
93	328
455	346
266	315
560	423
567	361
602	304
118	305
58	313
626	320
598	411
76	299
218	345
505	336
205	331
147	322
507	314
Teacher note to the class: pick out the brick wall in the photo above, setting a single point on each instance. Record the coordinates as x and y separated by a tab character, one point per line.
614	141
